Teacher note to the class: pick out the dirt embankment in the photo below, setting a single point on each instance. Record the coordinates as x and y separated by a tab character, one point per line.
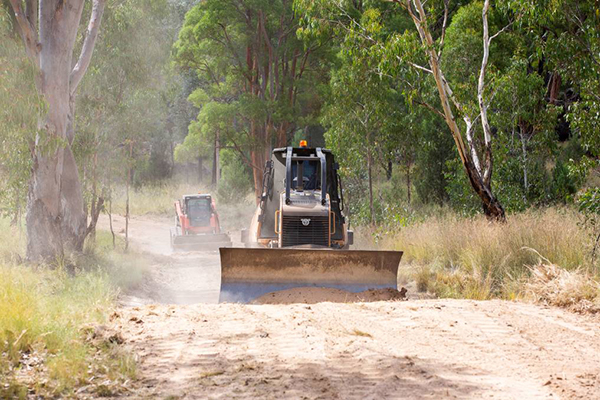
384	349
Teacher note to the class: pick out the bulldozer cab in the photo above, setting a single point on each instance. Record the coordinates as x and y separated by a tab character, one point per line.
198	210
306	175
313	176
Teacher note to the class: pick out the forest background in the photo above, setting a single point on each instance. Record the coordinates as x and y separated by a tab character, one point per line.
203	92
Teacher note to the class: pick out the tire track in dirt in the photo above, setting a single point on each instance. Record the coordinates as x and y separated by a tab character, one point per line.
424	349
414	349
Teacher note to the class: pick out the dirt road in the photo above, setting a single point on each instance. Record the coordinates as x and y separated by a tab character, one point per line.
176	277
398	349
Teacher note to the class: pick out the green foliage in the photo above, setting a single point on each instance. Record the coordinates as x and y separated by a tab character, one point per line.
589	202
257	82
434	151
236	179
463	51
358	84
589	205
20	109
570	53
379	52
125	98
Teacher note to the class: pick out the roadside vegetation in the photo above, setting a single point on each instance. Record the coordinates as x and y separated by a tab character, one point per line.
53	337
152	199
235	209
543	255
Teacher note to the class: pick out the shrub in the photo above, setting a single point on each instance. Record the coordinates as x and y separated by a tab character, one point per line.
236	179
48	318
473	258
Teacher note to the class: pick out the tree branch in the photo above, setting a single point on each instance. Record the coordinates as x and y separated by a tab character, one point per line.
430	108
88	45
28	30
417	66
244	156
487	134
500	31
444	26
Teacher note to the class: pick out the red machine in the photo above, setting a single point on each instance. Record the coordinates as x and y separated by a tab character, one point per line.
198	226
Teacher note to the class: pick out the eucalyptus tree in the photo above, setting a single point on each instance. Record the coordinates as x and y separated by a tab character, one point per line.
124	101
567	33
56	221
477	161
248	57
366	124
414	58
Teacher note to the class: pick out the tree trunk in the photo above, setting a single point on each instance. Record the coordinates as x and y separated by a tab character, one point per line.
408	182
370	172
110	222
96	202
524	162
129	177
215	167
200	170
258	157
217	160
56	219
55	211
479	178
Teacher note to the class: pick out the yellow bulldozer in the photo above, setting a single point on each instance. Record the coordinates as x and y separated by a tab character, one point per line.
299	235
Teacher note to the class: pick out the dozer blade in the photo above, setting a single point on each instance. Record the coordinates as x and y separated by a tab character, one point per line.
248	273
200	242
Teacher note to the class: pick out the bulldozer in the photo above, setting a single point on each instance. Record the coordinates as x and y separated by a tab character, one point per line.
197	224
299	235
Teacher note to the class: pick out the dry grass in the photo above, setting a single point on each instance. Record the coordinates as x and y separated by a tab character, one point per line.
472	258
209	374
358	332
154	199
552	285
12	242
158	200
45	318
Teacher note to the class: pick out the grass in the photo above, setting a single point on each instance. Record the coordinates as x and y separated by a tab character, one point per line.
358	332
50	343
552	285
460	257
159	199
153	199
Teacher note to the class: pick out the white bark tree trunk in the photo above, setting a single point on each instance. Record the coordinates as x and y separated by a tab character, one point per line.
56	219
479	176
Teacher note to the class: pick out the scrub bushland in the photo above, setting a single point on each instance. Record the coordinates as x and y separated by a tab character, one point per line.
540	254
53	341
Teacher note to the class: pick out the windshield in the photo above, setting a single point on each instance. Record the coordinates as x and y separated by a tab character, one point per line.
198	208
310	172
